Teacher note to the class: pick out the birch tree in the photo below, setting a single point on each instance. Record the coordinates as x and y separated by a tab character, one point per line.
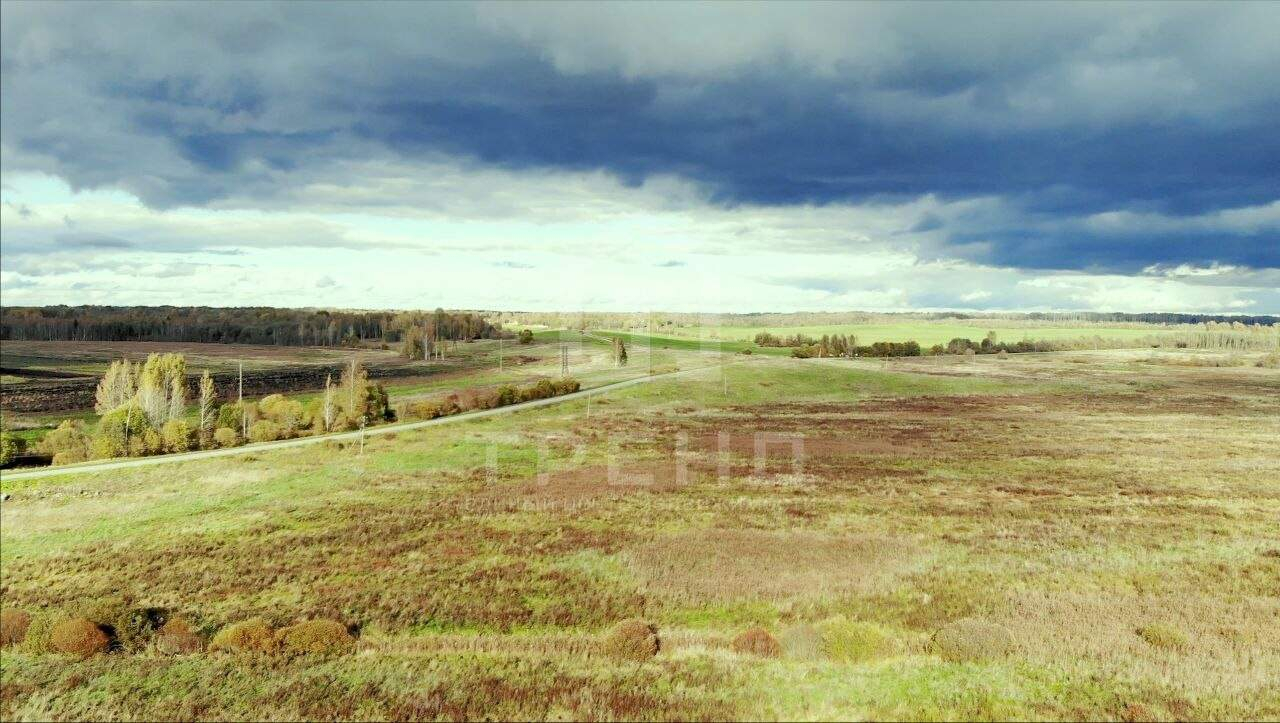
116	388
208	411
329	410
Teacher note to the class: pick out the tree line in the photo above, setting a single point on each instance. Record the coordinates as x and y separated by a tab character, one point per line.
235	325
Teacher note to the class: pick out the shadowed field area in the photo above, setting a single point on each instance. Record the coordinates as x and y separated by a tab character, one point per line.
1043	536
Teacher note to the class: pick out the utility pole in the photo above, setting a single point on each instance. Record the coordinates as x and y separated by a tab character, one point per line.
564	360
499	353
244	419
352	394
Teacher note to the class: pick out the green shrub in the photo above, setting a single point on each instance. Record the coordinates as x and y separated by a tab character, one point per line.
11	445
71	457
39	631
632	640
971	639
225	437
315	637
232	415
265	430
68	443
117	429
80	637
855	641
251	636
526	336
13	627
757	641
507	394
176	436
288	413
1160	635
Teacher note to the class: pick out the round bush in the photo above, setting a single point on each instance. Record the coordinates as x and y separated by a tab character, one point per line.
854	641
80	637
265	431
315	637
13	627
633	640
251	636
757	641
225	437
972	639
177	638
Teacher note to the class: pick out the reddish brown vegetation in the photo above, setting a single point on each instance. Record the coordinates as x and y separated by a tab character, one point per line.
13	627
757	641
80	637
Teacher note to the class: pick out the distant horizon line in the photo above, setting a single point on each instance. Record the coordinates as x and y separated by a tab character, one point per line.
1273	317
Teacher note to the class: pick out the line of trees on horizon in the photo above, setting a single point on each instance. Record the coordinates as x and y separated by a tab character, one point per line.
232	325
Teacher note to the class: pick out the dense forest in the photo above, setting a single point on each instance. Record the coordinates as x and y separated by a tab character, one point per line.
240	325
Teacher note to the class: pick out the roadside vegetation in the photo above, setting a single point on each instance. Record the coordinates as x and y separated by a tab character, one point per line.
144	410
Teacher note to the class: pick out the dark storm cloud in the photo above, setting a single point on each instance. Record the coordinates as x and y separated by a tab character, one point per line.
1063	110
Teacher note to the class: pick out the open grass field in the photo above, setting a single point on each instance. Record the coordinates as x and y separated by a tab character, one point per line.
1087	535
928	333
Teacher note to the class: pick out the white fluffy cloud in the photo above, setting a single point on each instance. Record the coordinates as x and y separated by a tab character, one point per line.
380	235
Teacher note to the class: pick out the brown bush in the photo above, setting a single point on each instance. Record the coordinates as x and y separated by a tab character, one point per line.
633	640
80	637
972	639
13	627
316	637
250	636
757	641
177	638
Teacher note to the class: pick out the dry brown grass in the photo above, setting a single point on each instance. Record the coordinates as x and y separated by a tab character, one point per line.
1224	641
250	636
757	641
13	627
635	640
313	637
755	564
80	637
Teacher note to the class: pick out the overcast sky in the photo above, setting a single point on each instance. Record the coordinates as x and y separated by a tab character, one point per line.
713	157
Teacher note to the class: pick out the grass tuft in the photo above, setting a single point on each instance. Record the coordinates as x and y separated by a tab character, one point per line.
13	626
177	638
314	637
757	641
1162	636
855	641
633	640
250	636
972	639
